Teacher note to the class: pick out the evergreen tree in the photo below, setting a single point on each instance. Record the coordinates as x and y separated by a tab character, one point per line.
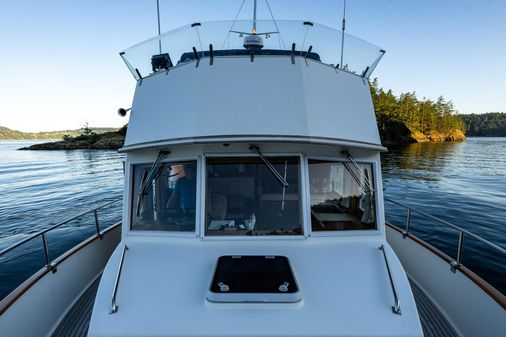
399	117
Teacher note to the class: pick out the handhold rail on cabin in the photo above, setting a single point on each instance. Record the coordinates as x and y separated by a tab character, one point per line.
458	261
114	306
396	308
43	233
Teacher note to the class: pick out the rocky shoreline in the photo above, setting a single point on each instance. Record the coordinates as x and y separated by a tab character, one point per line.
88	140
114	141
453	136
77	145
418	137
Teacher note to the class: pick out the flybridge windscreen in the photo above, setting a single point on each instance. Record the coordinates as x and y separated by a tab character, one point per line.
227	39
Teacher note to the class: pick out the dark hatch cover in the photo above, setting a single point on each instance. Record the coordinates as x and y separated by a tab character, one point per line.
253	274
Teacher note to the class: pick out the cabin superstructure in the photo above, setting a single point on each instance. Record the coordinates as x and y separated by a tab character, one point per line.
299	93
253	197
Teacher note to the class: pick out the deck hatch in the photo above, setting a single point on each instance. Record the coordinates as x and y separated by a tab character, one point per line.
253	279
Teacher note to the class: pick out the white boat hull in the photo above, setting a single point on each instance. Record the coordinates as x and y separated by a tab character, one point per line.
37	306
473	307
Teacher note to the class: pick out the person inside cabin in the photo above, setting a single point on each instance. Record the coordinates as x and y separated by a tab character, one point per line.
184	195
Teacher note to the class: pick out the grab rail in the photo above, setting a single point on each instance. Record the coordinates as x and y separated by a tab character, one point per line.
43	232
396	308
114	306
457	262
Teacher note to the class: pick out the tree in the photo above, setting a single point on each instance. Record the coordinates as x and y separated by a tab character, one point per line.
86	130
395	115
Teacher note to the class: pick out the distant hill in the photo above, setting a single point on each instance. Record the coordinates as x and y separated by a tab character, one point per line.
8	134
492	124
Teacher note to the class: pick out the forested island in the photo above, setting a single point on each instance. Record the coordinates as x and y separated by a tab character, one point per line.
492	124
406	119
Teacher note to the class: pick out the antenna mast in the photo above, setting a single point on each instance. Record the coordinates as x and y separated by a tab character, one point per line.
254	17
342	34
158	15
254	41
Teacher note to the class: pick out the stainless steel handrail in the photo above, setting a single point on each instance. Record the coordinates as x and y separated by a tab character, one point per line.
396	308
457	263
114	306
43	232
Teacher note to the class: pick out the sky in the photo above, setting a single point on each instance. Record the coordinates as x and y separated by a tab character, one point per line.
60	63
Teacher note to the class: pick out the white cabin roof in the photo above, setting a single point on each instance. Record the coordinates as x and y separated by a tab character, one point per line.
235	98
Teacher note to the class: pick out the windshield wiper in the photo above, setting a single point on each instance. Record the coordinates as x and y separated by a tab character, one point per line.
271	168
275	173
153	173
358	179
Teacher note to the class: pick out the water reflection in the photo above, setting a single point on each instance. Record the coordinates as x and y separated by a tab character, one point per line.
432	157
463	183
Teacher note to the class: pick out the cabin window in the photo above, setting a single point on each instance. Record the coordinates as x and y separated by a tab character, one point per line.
342	196
164	197
246	196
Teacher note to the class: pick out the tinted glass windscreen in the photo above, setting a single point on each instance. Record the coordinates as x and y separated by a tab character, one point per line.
244	196
342	196
164	196
253	274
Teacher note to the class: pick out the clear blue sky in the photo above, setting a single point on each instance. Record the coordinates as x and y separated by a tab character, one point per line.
60	63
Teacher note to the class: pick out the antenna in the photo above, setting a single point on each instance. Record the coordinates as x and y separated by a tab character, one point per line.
342	34
254	31
253	40
158	15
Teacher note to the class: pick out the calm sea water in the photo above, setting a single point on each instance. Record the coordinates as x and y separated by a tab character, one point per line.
464	183
41	188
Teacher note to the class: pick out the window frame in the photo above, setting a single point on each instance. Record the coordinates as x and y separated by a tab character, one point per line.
305	199
352	232
164	233
302	197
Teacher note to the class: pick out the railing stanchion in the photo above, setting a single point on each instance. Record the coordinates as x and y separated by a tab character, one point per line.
46	253
50	264
97	224
456	264
33	236
408	222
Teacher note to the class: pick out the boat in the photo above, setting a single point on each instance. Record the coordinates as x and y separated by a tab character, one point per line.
253	205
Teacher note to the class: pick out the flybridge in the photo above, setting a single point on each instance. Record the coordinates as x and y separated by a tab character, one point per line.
274	38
